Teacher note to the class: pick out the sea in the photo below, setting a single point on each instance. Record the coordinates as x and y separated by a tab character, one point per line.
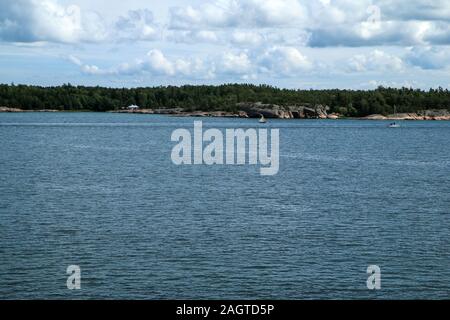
100	191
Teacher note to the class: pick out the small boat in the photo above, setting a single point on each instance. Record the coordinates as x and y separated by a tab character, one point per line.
262	120
394	125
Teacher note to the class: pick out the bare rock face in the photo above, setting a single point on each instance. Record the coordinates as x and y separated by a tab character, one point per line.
436	114
403	116
256	110
6	109
168	111
243	114
334	116
375	117
421	115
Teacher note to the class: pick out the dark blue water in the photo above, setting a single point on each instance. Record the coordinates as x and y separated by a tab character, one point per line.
100	191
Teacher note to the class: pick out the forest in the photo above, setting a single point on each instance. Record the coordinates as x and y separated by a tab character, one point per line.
224	97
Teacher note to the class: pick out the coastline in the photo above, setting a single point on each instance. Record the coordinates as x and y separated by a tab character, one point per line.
318	113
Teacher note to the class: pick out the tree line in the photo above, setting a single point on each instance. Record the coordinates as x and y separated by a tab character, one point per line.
224	97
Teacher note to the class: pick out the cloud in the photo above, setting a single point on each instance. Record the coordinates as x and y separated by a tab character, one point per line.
193	36
244	13
137	25
246	38
244	23
275	12
388	22
428	58
159	64
372	34
88	69
50	21
287	61
321	23
244	64
425	10
377	61
47	20
237	64
438	33
155	63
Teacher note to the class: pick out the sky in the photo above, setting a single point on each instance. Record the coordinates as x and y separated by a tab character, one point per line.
353	44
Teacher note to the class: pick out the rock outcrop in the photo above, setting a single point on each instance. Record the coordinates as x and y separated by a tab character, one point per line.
256	110
436	114
138	111
6	109
375	117
334	116
249	110
273	111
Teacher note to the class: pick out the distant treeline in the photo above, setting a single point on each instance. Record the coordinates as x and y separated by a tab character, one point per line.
223	97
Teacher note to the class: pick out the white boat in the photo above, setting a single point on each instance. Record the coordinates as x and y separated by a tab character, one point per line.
394	124
262	120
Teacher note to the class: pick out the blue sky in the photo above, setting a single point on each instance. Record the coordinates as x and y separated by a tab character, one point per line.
287	43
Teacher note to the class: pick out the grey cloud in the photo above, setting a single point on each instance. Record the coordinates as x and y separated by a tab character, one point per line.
425	10
428	58
137	25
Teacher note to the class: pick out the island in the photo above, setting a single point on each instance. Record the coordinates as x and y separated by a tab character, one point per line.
234	101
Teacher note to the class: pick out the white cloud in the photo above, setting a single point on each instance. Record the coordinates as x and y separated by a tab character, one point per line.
319	23
193	36
244	13
235	63
328	23
389	22
75	60
276	61
154	63
246	38
88	69
50	21
159	64
287	61
275	12
47	20
377	60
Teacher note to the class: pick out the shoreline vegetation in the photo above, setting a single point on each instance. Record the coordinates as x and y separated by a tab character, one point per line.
234	101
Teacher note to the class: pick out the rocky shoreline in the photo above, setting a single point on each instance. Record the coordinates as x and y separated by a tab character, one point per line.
270	111
437	115
15	110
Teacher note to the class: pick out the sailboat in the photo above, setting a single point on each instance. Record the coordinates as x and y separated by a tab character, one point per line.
394	124
262	120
